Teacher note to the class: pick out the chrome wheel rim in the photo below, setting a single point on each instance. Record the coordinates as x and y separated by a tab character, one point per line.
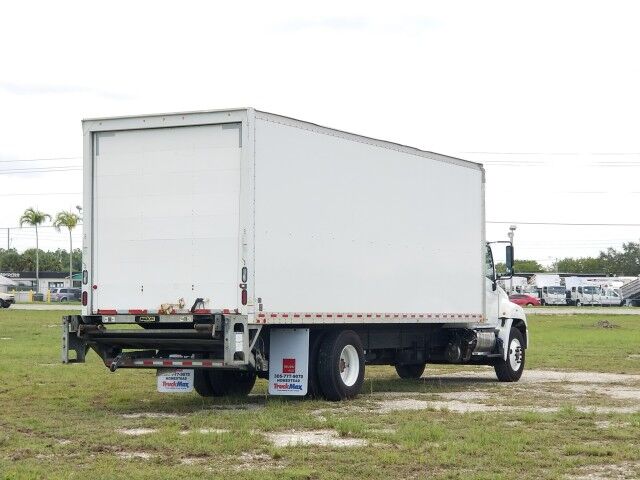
515	354
349	365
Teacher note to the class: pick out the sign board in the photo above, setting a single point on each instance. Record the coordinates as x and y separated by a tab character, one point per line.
289	361
174	380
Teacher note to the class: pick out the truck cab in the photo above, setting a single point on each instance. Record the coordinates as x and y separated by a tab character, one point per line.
552	295
586	295
611	297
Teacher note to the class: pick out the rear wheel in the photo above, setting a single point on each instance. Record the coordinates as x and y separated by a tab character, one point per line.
410	371
577	304
529	304
201	383
340	365
3	305
220	383
510	370
313	384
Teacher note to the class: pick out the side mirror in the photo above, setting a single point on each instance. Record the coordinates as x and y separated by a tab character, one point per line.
509	259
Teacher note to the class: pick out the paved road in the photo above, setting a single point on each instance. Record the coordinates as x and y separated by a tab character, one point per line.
583	310
44	306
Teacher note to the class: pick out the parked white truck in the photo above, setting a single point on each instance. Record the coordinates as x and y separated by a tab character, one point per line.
549	289
243	244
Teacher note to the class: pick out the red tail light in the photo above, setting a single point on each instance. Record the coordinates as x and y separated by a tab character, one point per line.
84	298
244	297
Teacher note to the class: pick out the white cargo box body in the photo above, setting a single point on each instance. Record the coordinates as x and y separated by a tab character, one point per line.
331	227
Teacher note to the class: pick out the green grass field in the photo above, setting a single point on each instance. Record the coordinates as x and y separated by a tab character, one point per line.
66	421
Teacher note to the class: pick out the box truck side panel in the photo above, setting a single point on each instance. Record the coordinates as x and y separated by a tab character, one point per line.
345	225
165	216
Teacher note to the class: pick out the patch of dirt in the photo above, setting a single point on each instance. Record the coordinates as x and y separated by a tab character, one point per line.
240	406
451	405
610	424
136	432
542	376
539	376
605	324
217	431
256	461
151	415
612	471
134	455
465	396
324	438
617	393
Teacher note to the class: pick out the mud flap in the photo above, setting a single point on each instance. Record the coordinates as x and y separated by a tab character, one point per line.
71	342
289	361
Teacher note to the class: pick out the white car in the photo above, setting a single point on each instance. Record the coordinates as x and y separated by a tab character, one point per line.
6	299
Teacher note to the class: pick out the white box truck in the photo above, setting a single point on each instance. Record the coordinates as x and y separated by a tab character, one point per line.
222	246
549	289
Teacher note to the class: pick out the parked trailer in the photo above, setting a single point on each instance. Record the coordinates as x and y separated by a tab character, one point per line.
631	293
244	244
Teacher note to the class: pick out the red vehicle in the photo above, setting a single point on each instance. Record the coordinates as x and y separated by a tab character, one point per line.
523	299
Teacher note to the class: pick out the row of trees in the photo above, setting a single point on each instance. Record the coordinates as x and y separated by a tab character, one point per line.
623	262
34	218
50	261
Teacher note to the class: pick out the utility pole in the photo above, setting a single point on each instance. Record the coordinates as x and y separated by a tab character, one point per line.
512	229
8	229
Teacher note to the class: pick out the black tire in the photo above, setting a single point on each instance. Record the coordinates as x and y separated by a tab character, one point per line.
543	303
3	305
329	365
222	383
313	384
201	383
63	299
410	371
504	370
577	303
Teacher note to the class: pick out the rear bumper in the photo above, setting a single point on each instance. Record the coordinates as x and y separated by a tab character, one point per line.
124	341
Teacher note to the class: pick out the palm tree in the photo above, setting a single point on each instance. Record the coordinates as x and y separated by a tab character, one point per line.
69	220
34	217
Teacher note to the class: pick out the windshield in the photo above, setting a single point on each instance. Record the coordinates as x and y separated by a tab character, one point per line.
556	290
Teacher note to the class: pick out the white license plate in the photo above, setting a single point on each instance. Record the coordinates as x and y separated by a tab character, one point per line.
174	380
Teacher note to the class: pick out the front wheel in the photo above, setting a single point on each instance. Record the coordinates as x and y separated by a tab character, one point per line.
510	370
410	371
3	305
340	365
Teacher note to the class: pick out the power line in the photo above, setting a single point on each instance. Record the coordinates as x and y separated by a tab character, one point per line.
38	194
49	159
550	153
39	170
570	224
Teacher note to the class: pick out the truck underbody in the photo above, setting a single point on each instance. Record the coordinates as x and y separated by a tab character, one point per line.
225	344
